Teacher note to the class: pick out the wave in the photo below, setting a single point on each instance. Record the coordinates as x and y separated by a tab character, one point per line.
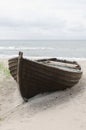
25	48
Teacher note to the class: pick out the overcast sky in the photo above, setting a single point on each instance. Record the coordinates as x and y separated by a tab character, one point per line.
42	19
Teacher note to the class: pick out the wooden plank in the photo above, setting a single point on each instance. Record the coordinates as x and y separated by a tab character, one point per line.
13	69
13	59
14	73
50	71
13	65
43	78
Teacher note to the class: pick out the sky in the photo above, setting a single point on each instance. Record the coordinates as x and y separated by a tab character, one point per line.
42	19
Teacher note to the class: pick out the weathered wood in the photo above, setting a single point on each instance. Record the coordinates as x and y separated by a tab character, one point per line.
14	72
39	76
13	64
35	66
13	60
60	60
13	68
19	67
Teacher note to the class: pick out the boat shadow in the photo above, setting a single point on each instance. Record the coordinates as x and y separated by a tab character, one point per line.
47	101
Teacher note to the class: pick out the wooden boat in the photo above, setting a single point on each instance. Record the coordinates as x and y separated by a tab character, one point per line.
43	75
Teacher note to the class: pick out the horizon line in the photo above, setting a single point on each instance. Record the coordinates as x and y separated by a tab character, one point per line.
42	39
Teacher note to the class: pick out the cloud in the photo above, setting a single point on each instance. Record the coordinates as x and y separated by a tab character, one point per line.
42	19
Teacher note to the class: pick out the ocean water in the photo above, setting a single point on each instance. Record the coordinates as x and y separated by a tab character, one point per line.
43	48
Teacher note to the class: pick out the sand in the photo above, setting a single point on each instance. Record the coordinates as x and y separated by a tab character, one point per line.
63	110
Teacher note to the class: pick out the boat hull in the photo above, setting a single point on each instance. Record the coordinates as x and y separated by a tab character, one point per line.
34	77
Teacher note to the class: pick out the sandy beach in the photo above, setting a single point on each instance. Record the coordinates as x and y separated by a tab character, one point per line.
63	110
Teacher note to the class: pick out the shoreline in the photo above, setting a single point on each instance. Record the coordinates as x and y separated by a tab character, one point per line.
41	57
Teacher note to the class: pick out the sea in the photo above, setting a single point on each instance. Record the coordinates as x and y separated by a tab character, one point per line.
43	48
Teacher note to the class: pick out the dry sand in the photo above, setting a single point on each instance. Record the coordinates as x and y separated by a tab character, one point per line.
64	110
